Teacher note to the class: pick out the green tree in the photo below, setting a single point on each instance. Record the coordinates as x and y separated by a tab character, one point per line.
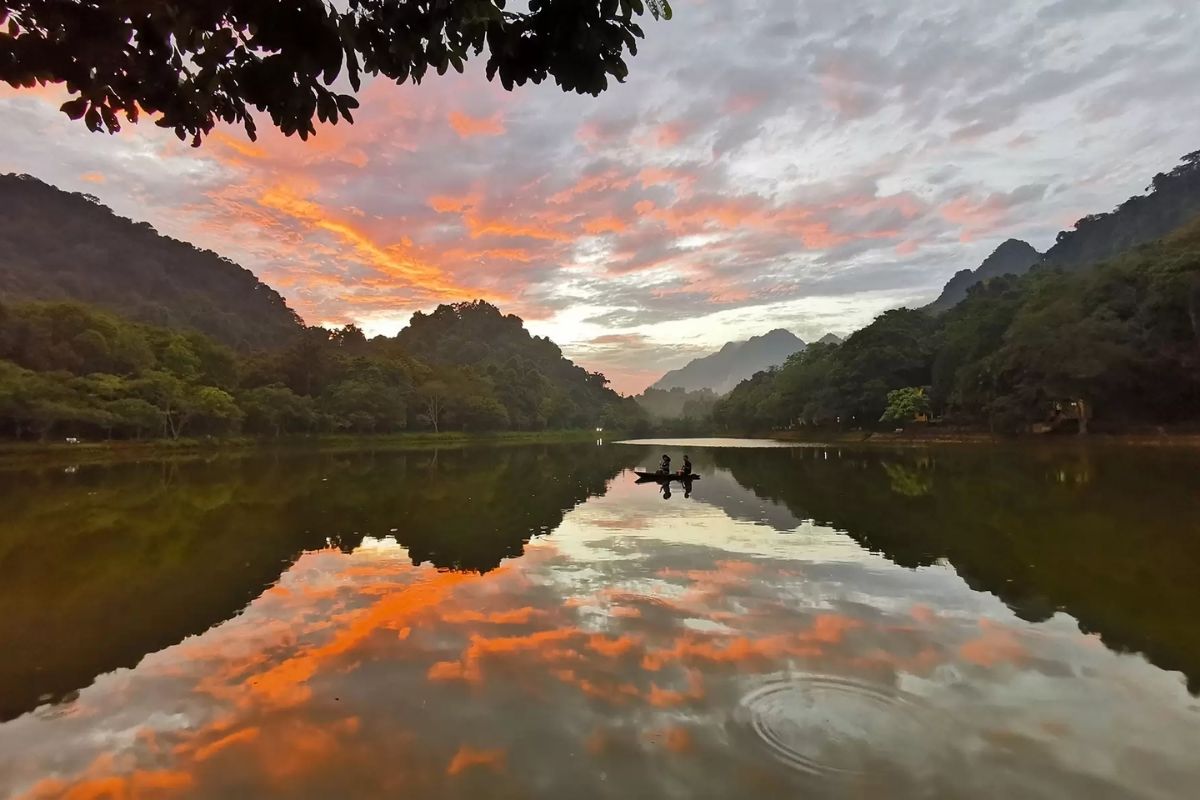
905	405
133	416
211	408
276	410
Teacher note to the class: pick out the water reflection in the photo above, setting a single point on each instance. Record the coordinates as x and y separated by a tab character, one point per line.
101	566
732	643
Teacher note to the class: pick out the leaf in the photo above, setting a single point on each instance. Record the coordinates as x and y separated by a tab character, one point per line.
333	67
74	108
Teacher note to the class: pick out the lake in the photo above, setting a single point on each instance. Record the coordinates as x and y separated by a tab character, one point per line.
530	622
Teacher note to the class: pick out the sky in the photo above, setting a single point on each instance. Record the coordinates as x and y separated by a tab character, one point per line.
799	164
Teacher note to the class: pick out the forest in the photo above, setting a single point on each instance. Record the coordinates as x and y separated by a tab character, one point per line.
1116	347
57	245
70	370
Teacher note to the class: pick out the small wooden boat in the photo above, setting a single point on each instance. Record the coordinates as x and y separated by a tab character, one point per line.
664	477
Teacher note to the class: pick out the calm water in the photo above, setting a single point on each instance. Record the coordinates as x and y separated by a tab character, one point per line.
530	622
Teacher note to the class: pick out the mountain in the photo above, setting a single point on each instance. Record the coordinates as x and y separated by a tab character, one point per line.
829	338
1013	257
1173	199
530	378
57	245
733	363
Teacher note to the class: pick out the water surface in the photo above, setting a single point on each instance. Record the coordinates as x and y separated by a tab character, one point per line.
531	622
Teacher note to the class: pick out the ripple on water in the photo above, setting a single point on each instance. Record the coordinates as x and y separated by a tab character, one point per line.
832	725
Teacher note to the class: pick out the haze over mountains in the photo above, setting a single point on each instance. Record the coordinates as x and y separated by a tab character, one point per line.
733	363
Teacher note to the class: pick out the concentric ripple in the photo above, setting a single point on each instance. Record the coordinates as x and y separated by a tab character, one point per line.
832	725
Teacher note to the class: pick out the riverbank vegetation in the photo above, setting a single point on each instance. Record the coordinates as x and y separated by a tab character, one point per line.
1116	346
69	370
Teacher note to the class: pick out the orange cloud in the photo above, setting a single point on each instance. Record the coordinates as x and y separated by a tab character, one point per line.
547	646
237	737
516	616
468	757
467	126
604	224
99	783
996	645
613	648
93	177
398	261
239	147
669	134
675	738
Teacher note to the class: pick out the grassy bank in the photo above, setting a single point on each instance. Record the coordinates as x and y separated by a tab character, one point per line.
934	436
89	451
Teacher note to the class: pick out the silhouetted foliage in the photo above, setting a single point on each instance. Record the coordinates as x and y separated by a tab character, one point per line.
1173	200
195	63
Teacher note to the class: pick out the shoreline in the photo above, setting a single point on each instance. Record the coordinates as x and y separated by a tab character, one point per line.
118	450
920	438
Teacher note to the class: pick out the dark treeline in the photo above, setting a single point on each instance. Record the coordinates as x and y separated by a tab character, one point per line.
70	370
1118	344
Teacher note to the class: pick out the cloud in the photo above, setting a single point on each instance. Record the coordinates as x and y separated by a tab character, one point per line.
467	126
824	156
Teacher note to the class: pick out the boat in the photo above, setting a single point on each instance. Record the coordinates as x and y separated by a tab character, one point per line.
664	477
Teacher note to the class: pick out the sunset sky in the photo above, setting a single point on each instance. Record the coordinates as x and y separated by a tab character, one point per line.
803	164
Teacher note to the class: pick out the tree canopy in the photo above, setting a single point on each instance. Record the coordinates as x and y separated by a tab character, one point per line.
193	64
70	370
1119	342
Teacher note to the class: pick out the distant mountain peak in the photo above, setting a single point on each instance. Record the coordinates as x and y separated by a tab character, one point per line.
733	363
1012	257
829	338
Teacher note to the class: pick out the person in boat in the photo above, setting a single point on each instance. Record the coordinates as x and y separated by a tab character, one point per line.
664	466
687	466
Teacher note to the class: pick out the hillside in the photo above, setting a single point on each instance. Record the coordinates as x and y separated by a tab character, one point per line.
733	363
1013	257
1173	199
56	245
531	378
1112	347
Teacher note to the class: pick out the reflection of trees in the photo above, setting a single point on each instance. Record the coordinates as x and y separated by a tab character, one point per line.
1111	537
908	480
101	566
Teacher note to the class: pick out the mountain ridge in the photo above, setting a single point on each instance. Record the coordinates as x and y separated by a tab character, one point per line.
1172	199
57	245
733	363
